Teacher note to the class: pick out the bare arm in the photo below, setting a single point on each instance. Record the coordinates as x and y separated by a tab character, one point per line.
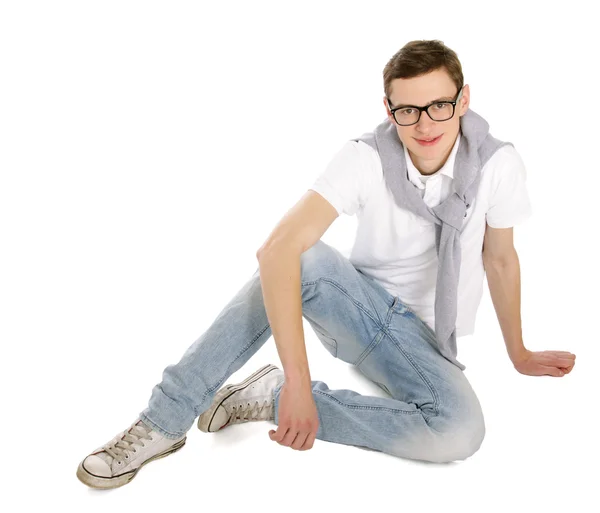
504	279
280	280
279	261
504	282
503	272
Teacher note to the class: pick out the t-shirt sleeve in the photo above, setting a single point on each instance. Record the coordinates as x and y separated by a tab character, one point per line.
509	203
347	178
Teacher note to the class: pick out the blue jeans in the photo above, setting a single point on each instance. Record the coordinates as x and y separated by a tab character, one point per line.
431	414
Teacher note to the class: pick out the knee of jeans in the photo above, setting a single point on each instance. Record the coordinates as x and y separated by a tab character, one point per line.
460	441
317	261
436	445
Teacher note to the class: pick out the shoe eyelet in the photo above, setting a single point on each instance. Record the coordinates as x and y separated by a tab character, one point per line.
127	457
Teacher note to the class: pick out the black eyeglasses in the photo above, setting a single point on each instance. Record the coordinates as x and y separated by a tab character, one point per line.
438	111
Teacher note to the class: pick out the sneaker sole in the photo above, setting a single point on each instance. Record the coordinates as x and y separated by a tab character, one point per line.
205	420
114	482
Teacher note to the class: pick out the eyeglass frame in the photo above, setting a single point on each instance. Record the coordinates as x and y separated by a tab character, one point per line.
421	109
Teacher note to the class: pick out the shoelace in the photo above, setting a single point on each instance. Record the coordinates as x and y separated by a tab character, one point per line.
134	435
247	411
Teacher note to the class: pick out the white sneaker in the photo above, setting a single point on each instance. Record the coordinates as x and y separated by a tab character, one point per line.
250	400
117	462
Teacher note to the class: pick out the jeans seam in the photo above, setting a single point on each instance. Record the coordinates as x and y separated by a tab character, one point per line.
371	302
358	304
380	334
395	411
391	311
334	345
370	347
418	370
363	407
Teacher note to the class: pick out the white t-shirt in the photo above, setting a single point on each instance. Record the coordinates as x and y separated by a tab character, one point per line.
397	248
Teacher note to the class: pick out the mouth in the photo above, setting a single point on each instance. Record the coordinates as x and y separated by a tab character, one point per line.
428	142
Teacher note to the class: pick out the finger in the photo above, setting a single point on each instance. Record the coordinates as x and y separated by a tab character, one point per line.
552	371
563	362
278	435
568	356
568	369
289	438
555	354
562	355
565	353
300	439
549	359
310	440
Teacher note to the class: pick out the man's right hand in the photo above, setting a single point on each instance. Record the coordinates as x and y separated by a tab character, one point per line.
298	417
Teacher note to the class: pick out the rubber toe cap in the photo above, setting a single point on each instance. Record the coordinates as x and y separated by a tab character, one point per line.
219	420
97	466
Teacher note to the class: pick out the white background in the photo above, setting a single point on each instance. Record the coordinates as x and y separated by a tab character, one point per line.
147	149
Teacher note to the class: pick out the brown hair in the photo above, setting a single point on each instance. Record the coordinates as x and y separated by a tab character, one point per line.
419	57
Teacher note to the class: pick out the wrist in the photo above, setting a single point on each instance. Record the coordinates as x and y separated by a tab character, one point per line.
297	376
518	354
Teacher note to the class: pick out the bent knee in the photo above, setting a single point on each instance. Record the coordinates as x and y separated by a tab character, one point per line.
317	261
458	442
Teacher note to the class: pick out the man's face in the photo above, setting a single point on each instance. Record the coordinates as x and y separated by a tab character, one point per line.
421	91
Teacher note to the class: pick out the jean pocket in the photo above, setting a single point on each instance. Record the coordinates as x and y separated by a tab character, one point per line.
329	343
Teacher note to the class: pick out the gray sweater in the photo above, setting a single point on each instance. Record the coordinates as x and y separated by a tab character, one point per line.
475	149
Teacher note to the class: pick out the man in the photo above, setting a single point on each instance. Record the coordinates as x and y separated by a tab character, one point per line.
375	310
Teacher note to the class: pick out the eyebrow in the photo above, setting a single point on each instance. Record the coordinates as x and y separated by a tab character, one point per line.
442	99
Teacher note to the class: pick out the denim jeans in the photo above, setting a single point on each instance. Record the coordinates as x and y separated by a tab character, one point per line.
430	411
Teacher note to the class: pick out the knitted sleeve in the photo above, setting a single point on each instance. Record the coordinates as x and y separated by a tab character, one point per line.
509	203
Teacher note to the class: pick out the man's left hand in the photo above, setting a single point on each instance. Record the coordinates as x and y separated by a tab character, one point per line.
544	363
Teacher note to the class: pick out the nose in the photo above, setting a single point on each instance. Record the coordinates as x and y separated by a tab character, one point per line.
425	124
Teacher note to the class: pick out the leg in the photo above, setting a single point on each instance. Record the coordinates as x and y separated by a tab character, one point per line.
432	414
188	387
238	332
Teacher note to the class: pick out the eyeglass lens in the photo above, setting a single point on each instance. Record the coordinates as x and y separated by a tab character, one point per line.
438	112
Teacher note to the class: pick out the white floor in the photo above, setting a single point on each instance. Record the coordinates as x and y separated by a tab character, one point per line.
533	456
147	149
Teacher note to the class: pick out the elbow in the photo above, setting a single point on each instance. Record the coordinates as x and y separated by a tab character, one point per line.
278	250
496	261
260	251
266	248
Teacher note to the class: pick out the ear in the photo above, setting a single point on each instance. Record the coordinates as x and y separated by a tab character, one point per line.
465	100
387	110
